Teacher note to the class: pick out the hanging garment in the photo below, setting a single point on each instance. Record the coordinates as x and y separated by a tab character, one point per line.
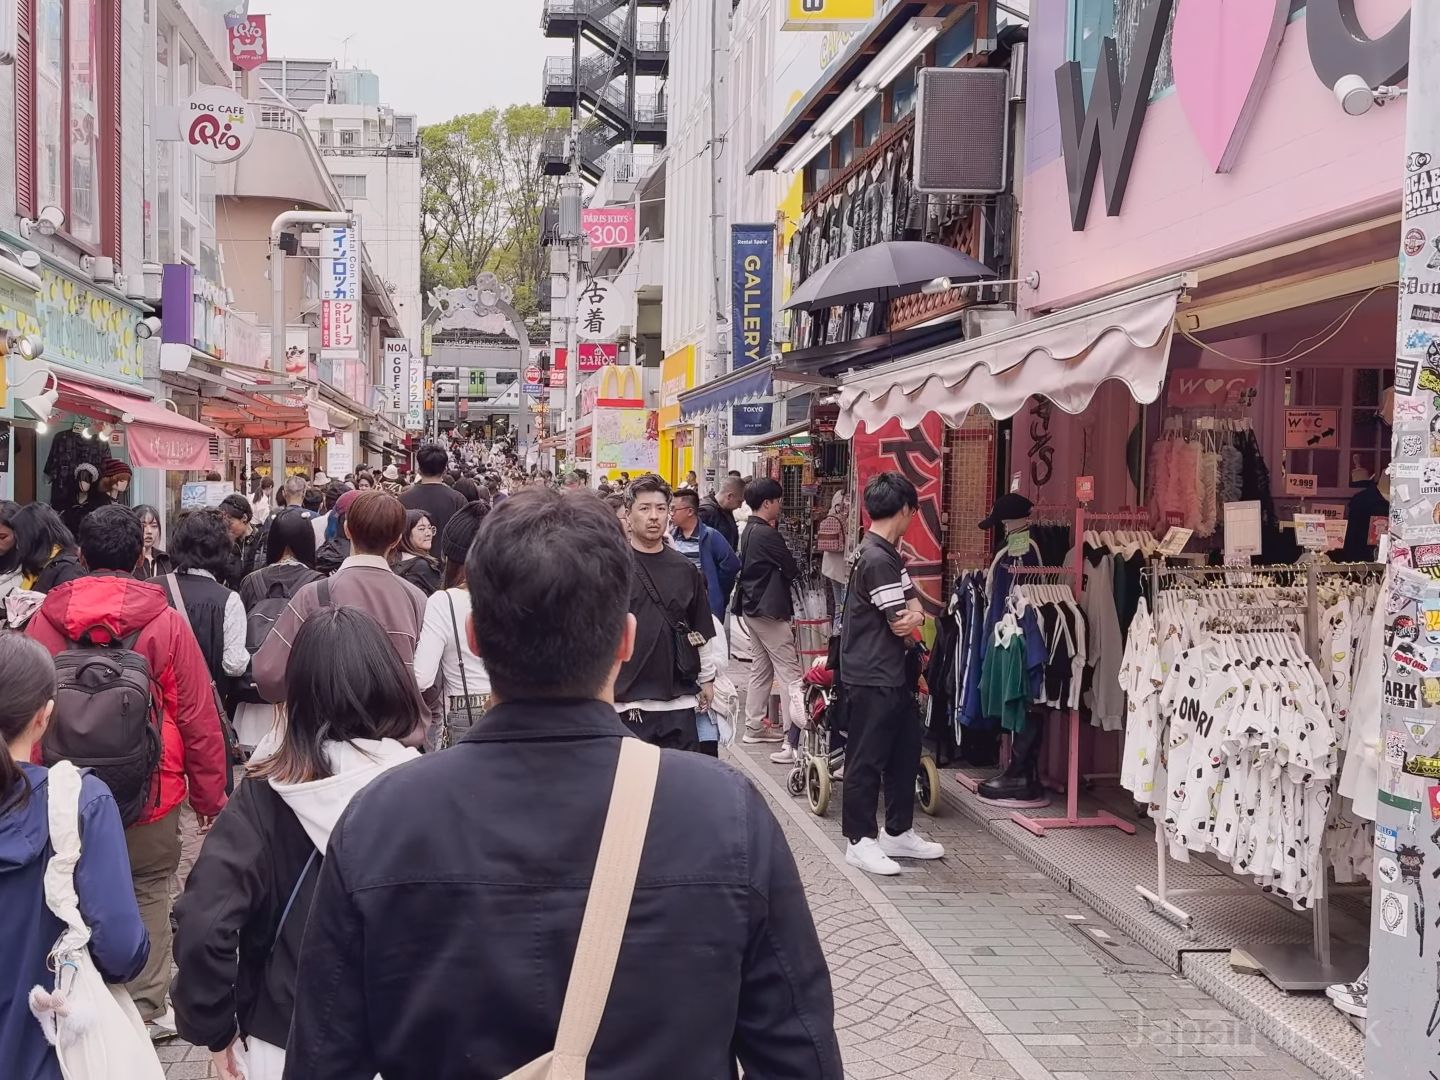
1105	700
1141	682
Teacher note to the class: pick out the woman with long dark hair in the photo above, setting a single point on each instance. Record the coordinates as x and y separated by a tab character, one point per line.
49	556
9	553
414	560
444	655
154	562
28	930
349	700
289	565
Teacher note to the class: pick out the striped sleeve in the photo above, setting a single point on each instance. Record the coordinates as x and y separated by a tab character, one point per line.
886	583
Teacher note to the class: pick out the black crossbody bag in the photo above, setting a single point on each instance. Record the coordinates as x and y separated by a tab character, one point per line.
687	641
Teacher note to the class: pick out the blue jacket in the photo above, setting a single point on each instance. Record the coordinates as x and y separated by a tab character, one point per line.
413	926
119	944
719	564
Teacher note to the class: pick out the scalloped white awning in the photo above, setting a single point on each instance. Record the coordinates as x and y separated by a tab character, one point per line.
1064	357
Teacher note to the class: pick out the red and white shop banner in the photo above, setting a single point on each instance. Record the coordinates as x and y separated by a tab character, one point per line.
915	453
153	447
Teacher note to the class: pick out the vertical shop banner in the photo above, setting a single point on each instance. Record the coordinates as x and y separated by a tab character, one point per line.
752	312
916	454
397	372
340	455
340	318
415	405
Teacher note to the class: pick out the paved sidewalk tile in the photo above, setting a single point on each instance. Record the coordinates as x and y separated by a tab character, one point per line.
1085	1008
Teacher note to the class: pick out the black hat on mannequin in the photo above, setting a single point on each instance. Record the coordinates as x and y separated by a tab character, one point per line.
1012	506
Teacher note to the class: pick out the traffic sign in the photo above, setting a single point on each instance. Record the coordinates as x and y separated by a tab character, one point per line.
533	376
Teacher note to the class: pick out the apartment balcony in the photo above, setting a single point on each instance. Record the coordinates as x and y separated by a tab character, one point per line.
617	185
649	261
284	163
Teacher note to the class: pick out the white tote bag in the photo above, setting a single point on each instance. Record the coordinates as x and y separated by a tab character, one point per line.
95	1028
606	911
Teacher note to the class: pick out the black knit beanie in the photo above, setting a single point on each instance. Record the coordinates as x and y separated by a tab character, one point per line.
460	531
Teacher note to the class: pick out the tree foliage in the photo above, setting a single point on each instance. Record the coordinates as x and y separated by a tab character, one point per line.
483	196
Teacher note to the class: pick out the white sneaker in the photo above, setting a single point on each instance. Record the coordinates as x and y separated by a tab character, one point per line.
761	735
910	845
866	854
784	756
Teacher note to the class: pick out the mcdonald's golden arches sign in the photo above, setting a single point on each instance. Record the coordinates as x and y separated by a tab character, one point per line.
621	388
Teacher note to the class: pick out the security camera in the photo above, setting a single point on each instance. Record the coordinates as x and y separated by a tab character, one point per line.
1354	95
147	327
51	219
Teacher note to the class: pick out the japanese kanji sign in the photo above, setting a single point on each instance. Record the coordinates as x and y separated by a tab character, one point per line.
598	311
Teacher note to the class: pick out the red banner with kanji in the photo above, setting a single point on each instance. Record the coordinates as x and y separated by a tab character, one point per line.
917	455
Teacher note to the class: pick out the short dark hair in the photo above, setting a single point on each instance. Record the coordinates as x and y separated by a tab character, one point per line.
290	530
343	681
432	460
647	484
691	497
201	541
468	488
111	538
38	532
761	490
887	493
615	501
549	579
413	518
237	507
9	560
375	521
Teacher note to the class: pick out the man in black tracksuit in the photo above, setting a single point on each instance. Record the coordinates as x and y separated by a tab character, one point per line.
882	613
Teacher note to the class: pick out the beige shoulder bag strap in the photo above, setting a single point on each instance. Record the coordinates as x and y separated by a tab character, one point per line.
606	912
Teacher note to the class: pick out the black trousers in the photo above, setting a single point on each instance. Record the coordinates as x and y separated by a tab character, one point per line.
883	749
671	730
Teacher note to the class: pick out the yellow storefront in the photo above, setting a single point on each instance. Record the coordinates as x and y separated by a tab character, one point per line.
677	455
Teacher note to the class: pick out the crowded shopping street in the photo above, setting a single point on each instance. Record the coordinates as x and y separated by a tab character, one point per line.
784	539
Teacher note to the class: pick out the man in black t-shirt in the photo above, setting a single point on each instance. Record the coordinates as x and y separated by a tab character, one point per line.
432	494
671	673
882	613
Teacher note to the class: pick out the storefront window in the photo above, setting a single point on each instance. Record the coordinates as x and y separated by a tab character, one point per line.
870	121
956	42
1360	445
84	120
903	95
845	143
49	101
1092	21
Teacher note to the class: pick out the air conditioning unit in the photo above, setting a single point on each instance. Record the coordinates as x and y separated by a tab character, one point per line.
962	126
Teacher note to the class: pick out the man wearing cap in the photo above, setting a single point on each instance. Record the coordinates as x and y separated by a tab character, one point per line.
882	614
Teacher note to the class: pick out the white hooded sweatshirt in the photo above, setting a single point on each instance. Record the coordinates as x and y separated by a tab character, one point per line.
319	804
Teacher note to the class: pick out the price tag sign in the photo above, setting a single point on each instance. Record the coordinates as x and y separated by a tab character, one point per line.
1175	540
1302	484
1310	532
1084	489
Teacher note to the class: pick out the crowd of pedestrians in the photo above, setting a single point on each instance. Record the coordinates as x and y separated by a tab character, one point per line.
398	717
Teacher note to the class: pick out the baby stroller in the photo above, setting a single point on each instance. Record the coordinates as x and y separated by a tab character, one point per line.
820	760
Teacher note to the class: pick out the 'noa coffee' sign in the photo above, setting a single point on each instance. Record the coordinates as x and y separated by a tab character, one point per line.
217	124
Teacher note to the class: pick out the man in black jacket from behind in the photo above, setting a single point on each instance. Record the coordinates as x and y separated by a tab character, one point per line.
445	920
717	510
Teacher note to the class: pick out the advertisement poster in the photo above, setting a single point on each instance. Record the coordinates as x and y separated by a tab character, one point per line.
915	454
1312	429
752	312
627	439
609	227
203	495
397	371
340	321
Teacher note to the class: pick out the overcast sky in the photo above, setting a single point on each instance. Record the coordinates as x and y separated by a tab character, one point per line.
436	58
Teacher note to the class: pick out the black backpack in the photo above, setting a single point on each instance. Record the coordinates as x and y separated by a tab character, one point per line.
107	719
259	621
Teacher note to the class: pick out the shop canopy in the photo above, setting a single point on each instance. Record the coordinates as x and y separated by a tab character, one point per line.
752	383
255	416
1064	357
155	437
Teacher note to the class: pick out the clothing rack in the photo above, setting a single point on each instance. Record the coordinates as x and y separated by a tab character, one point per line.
1101	819
1291	967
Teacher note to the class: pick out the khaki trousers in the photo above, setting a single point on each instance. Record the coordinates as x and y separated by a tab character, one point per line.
775	660
154	858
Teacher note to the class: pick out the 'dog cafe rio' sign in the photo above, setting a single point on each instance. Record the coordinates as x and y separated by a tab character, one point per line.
217	124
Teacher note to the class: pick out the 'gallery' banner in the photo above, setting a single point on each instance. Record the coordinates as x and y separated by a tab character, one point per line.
752	313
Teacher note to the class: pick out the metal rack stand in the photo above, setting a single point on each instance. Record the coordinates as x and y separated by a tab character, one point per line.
1296	967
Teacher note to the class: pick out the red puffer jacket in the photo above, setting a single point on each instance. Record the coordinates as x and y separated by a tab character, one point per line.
193	759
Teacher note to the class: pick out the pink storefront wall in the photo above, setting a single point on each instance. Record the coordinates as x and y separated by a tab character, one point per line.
1304	167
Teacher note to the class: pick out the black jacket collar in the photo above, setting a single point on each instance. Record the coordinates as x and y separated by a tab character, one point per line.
527	721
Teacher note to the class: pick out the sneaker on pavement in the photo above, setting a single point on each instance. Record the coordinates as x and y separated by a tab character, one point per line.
910	845
784	756
761	735
162	1028
866	854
